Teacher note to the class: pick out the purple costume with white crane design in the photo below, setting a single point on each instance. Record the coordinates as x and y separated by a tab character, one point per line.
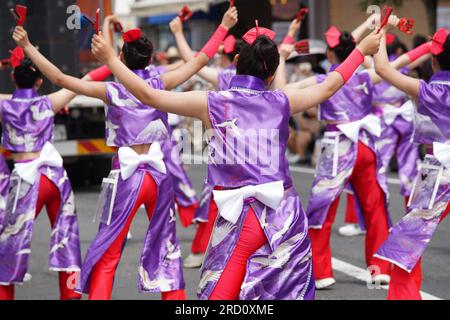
131	123
431	195
201	215
396	131
27	121
351	104
282	268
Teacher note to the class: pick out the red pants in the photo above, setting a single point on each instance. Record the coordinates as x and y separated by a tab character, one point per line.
186	214
351	217
50	197
372	199
102	276
251	239
204	231
405	285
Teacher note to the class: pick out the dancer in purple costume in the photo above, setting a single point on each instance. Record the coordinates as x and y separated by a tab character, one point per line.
429	202
260	247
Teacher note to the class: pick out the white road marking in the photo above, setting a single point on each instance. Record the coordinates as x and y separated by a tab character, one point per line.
361	274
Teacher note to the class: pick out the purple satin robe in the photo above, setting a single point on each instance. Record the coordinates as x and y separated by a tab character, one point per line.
410	237
281	269
149	125
160	267
27	121
351	103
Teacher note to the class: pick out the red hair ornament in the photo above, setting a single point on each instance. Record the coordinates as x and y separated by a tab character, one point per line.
132	35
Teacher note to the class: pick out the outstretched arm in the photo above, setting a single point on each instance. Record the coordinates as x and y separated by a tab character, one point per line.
303	99
191	104
280	76
179	76
207	73
56	76
405	83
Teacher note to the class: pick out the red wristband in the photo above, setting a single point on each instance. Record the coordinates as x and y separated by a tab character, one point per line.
212	46
100	74
350	65
419	52
288	40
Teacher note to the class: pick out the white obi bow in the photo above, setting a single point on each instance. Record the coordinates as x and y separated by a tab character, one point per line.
442	152
29	171
370	123
231	202
406	111
130	160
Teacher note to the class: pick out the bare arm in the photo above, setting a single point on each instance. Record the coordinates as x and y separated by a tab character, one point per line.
54	75
5	97
106	29
209	74
280	76
405	83
303	99
174	78
191	104
62	98
312	81
174	66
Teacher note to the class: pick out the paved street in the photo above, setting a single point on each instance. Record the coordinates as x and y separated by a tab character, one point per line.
349	252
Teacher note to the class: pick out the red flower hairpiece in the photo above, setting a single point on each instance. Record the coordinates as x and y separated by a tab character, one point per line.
438	41
253	34
132	35
17	55
333	37
229	44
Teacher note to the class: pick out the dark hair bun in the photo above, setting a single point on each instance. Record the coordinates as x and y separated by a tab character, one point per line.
347	39
26	75
260	59
346	46
138	54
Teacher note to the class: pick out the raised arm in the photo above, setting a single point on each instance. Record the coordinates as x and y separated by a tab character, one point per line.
208	74
280	80
303	99
106	29
56	76
179	76
403	82
191	104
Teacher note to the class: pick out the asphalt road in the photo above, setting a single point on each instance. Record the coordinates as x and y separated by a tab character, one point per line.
44	283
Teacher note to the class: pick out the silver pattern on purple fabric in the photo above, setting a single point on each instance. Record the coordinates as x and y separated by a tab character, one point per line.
27	121
16	233
149	125
282	269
